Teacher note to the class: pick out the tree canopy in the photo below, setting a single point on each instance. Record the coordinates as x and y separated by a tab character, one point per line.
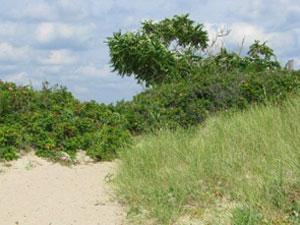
159	51
172	49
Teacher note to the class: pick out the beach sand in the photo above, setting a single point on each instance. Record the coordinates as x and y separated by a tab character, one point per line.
34	191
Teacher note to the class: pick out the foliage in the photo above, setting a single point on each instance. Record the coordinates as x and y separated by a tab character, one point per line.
9	137
259	58
174	49
189	102
237	168
51	121
185	86
107	141
158	52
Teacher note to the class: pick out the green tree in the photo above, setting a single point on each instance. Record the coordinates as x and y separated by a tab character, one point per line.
159	51
172	49
261	56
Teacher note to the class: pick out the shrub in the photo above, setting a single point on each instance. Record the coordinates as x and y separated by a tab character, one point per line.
107	141
52	120
188	102
9	141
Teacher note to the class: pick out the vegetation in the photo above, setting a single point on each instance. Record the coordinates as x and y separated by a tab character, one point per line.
237	168
189	102
146	54
51	121
174	49
185	86
186	82
247	163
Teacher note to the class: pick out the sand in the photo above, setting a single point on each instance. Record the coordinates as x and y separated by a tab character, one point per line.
34	191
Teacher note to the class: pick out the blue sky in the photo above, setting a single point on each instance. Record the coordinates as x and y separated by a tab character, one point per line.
62	41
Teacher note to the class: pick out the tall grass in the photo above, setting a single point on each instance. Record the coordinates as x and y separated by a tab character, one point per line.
237	169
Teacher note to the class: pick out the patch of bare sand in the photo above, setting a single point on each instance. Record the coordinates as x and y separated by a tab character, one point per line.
34	191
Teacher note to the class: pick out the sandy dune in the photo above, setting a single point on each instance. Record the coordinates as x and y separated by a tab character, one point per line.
34	191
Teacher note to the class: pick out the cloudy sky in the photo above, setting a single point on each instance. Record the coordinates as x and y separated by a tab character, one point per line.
62	41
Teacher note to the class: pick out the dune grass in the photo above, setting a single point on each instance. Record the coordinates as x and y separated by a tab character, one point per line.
242	169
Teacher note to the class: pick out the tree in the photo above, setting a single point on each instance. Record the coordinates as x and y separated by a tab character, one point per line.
261	56
172	49
160	51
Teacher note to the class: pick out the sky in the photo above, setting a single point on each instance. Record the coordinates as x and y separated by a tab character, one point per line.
63	41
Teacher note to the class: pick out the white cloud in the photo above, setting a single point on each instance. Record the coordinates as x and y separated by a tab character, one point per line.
47	32
80	89
250	32
59	57
18	77
64	35
222	34
92	71
282	42
36	11
8	53
22	78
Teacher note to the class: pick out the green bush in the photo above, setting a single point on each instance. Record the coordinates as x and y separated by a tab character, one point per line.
9	141
189	102
107	141
52	121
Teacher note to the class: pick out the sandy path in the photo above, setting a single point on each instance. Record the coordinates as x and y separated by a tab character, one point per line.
36	192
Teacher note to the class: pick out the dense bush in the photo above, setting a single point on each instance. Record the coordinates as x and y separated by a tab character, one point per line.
188	102
51	121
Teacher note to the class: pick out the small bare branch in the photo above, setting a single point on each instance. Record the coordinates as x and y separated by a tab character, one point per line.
242	46
222	33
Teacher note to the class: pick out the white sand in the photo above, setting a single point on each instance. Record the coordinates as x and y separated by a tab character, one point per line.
34	191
